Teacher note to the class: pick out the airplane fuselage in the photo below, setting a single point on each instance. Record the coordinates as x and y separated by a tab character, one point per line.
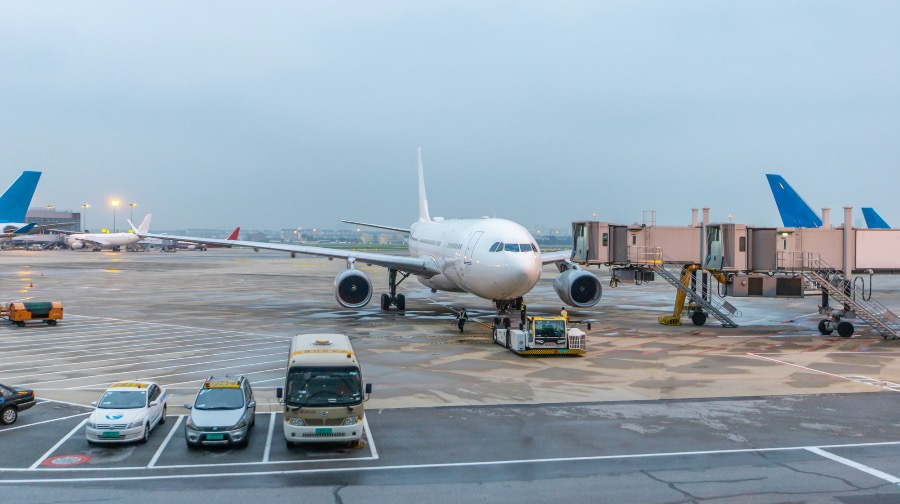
103	240
491	258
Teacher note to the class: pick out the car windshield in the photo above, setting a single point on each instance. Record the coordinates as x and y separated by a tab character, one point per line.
123	399
323	386
219	399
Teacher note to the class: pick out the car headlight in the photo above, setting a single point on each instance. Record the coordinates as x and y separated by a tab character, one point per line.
353	420
190	424
135	423
91	425
294	421
239	425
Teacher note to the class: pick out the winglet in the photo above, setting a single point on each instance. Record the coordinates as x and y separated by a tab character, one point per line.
24	229
15	201
794	211
234	234
873	220
423	202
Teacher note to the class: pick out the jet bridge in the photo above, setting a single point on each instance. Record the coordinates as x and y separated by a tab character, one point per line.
748	261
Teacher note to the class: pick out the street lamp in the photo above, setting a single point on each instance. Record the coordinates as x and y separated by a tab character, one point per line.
114	204
84	208
131	207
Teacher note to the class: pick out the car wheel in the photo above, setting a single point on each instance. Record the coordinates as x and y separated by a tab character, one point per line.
146	436
162	419
9	415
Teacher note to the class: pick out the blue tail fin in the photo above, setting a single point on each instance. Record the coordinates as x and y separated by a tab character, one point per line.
794	211
873	220
14	202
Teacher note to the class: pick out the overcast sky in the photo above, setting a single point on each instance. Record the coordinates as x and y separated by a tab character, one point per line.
273	115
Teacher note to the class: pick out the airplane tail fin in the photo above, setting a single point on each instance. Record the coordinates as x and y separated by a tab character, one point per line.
234	234
423	202
794	211
15	201
145	225
873	220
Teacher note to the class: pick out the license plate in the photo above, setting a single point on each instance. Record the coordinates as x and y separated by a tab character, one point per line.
111	434
215	437
323	430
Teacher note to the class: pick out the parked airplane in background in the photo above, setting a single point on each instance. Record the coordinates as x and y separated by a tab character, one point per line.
170	245
24	230
15	201
494	259
873	220
795	212
98	241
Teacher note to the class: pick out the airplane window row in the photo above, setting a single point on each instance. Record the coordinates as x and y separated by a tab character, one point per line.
513	247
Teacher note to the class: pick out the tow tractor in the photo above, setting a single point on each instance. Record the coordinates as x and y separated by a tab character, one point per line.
542	336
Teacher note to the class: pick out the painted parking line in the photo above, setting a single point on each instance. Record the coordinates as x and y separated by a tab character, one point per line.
165	442
269	437
856	465
446	465
7	429
58	444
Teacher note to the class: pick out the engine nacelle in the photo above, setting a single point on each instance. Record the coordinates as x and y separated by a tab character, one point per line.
577	287
352	288
77	245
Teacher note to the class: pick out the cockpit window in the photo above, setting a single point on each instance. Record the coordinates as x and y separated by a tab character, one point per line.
496	246
511	247
526	247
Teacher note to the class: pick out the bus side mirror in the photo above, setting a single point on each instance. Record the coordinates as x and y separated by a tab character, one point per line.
368	388
279	393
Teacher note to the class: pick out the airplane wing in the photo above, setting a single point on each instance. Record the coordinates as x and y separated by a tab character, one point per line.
421	266
554	257
379	226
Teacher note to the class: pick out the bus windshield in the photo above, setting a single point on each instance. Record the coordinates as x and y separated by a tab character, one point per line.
323	386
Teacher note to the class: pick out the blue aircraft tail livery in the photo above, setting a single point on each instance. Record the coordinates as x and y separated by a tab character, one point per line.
15	201
873	220
794	211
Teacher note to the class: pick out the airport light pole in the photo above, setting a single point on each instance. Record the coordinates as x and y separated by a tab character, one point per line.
131	207
84	208
114	204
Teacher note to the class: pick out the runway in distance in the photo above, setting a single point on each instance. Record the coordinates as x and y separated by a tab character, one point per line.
494	259
99	241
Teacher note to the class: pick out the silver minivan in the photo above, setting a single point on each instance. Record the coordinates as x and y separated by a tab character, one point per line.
222	413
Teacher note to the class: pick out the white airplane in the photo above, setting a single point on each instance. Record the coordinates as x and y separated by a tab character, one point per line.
494	259
98	241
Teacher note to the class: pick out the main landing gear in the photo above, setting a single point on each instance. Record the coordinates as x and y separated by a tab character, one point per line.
398	300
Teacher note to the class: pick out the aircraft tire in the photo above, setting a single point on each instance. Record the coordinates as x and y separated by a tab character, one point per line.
401	302
845	329
385	302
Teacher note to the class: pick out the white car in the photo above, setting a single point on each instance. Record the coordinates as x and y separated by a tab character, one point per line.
127	412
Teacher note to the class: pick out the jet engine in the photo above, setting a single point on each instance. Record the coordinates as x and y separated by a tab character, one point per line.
352	288
77	245
577	287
